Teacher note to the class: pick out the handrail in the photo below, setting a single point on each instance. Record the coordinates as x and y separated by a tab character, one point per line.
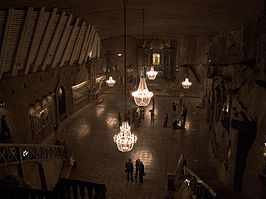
69	187
65	188
199	187
18	153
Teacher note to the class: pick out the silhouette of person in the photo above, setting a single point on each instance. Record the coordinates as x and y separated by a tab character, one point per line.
141	172
5	128
129	170
137	167
165	120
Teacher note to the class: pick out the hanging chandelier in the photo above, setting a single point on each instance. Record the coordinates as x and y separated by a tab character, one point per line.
186	84
110	82
152	73
124	139
142	96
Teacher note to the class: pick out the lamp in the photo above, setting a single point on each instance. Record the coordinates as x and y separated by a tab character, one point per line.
186	84
110	82
151	73
142	96
124	139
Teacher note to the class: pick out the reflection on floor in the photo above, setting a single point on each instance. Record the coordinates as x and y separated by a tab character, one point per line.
89	135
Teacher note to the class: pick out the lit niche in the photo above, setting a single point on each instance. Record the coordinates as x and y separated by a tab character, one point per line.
156	59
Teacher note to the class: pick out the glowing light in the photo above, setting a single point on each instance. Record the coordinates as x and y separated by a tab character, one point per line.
152	73
124	139
119	54
142	96
110	82
186	84
25	153
187	182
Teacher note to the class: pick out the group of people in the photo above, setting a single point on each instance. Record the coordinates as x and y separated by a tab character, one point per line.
182	118
139	170
134	116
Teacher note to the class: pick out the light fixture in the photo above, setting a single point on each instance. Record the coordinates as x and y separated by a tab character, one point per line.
110	82
119	54
186	84
124	139
152	73
142	96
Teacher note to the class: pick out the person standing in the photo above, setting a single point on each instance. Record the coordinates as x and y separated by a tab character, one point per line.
129	170
183	116
152	115
5	128
137	167
141	172
174	106
165	120
120	118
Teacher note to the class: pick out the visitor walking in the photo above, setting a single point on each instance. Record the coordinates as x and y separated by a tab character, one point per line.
183	116
141	172
165	120
129	170
137	167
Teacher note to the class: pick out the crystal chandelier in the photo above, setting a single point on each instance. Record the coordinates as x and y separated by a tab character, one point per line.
186	84
152	74
142	96
124	139
110	82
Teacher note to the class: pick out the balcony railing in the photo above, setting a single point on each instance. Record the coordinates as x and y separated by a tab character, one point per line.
64	189
18	153
199	188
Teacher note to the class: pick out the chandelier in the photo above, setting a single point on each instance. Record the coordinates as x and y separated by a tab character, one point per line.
124	139
152	74
142	96
186	84
110	82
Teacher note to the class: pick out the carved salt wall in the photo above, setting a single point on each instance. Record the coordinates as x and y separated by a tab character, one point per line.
42	51
235	98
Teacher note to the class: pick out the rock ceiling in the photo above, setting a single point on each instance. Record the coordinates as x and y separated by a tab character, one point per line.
163	18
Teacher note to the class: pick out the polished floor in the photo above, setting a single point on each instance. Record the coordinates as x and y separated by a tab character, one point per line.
89	136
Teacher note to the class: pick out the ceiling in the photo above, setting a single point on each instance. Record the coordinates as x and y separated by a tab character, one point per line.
163	18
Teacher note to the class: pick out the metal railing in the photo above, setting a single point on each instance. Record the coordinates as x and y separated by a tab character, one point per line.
18	153
199	188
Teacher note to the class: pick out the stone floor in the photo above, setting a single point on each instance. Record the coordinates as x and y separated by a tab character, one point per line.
89	136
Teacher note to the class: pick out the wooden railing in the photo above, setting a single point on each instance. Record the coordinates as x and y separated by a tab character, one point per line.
64	189
18	153
199	188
